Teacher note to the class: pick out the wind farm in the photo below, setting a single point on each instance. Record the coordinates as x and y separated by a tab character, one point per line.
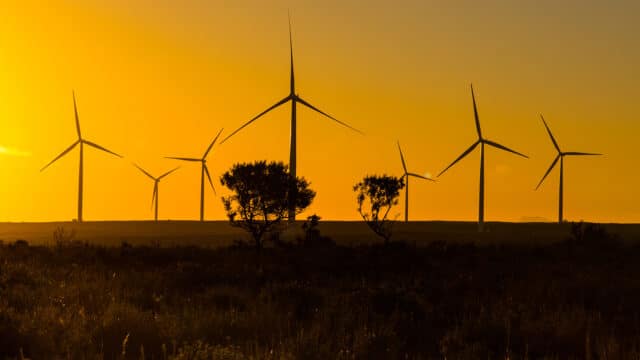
341	245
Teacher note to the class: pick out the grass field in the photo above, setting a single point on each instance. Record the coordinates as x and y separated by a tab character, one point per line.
532	291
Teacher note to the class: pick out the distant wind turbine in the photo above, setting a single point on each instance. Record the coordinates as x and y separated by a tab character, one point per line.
204	171
560	157
406	176
295	99
156	180
80	142
482	142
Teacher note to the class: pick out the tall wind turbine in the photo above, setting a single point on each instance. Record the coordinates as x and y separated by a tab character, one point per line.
80	142
482	142
560	157
203	171
156	180
295	99
406	176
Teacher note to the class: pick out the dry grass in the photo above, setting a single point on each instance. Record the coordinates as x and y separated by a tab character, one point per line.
571	300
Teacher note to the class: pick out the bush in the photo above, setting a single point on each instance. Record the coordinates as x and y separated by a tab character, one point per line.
261	197
381	192
312	236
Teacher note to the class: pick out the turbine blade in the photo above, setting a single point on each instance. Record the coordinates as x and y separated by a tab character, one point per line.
61	155
213	142
183	159
573	153
293	78
206	171
420	176
404	165
548	171
257	117
168	172
470	149
100	148
555	143
475	113
144	171
502	147
75	110
327	115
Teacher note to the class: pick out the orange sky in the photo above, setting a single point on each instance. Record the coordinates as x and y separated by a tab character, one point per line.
160	78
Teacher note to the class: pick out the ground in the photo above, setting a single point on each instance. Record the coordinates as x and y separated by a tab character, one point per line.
513	293
220	233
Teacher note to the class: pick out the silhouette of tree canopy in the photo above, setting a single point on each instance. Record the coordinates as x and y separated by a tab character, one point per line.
381	193
261	196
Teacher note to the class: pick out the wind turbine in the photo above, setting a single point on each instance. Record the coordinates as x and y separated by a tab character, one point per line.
482	142
406	176
154	198
295	99
204	171
560	157
80	142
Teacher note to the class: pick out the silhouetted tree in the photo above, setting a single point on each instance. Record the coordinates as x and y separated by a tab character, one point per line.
381	192
260	199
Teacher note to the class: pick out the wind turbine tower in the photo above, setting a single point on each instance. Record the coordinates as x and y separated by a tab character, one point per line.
204	170
560	156
80	142
406	176
156	183
482	142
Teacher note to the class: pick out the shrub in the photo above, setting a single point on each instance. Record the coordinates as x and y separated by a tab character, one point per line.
312	236
261	197
381	193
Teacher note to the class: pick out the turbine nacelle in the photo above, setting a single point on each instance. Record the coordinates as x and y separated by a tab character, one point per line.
406	173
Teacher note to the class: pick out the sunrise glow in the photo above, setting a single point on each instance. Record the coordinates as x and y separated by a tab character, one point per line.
161	79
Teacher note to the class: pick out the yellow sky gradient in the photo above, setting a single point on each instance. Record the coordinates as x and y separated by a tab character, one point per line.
160	78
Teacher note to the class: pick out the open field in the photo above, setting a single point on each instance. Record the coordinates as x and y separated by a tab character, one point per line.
533	291
220	233
575	299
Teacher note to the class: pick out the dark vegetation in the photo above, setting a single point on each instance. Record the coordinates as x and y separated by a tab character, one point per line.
318	300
